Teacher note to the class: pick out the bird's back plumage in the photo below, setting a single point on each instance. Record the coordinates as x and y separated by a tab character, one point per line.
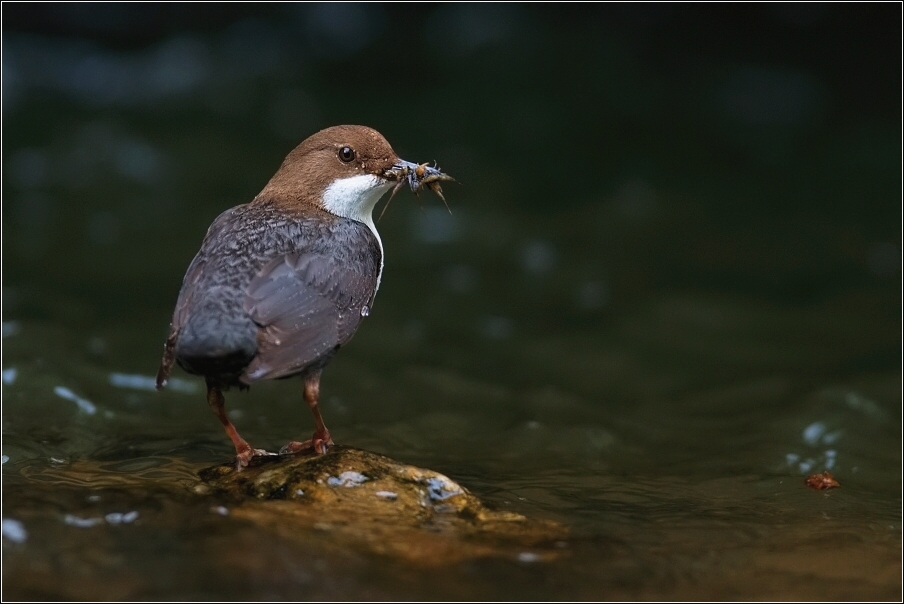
271	294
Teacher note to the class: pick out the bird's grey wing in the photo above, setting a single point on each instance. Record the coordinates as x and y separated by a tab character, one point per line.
307	305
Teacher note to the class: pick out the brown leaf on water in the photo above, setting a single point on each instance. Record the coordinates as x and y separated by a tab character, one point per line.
821	482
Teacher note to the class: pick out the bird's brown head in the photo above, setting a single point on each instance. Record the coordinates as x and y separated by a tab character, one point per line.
343	170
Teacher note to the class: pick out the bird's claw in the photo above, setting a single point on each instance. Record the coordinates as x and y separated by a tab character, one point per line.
320	443
243	457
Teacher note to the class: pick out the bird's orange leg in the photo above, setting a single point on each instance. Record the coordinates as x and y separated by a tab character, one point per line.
321	440
243	451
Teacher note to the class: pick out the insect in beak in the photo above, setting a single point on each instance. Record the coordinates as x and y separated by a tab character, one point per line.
416	176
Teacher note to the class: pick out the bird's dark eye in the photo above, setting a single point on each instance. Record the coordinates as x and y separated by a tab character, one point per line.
346	154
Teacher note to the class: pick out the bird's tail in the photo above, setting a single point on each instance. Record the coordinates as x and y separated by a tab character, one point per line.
166	364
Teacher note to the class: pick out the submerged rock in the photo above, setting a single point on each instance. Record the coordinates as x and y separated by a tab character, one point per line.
367	500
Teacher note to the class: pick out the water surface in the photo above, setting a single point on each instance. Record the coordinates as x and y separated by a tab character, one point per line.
668	291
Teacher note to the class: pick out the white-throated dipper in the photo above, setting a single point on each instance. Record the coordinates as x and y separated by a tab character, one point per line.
281	283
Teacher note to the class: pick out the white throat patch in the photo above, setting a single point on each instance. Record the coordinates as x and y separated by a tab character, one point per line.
355	198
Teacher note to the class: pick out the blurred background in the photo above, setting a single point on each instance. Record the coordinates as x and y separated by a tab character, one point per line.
672	267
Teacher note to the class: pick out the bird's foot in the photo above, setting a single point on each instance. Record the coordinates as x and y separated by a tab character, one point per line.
243	456
319	444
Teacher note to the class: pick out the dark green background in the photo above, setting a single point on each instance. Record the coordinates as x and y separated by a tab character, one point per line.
675	246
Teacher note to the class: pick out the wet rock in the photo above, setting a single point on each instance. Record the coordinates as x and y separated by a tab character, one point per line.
365	500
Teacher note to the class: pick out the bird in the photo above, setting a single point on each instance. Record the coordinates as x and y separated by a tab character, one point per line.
281	283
